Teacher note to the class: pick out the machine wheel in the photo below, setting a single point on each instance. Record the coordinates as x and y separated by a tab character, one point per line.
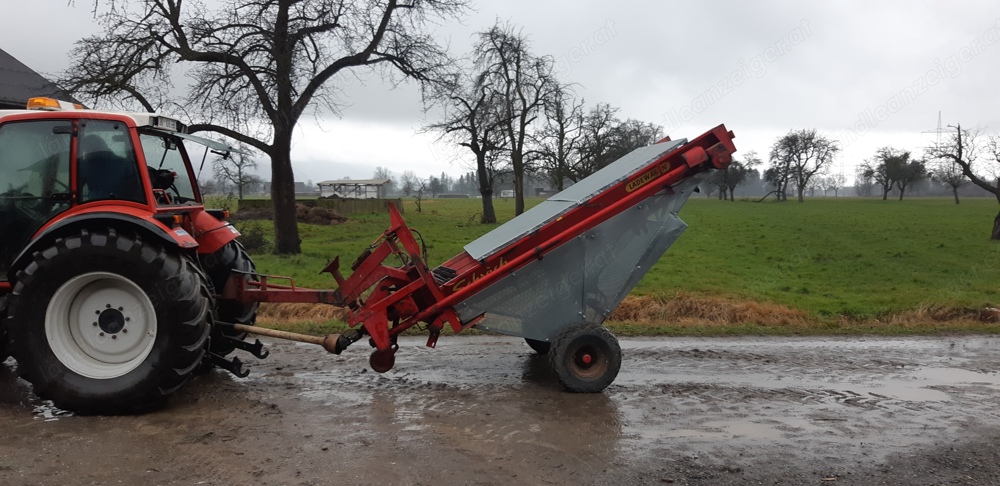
219	266
585	358
104	322
540	347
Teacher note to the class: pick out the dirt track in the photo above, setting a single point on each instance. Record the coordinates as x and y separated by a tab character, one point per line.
485	410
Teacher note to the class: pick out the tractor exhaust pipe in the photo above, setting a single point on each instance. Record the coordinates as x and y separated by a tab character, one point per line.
333	343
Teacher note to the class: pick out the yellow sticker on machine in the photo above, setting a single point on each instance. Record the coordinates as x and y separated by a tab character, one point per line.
643	179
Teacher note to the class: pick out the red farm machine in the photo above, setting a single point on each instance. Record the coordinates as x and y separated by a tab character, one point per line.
118	284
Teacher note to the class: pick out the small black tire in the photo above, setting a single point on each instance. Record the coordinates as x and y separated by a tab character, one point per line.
585	358
540	347
219	267
71	309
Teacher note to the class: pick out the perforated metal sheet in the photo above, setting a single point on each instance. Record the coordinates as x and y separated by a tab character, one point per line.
561	203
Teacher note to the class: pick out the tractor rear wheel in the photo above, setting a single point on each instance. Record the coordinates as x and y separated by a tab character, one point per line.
4	353
104	322
586	358
219	266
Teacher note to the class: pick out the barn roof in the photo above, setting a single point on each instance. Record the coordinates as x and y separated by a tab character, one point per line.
18	82
355	182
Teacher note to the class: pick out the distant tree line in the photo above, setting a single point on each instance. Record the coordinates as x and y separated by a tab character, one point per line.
801	160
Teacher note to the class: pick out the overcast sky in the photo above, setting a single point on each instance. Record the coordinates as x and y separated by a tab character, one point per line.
868	74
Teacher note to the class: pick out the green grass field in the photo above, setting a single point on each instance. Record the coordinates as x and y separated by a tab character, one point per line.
832	258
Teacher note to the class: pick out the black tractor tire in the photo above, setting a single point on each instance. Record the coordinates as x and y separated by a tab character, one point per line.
586	358
71	310
540	347
4	341
219	267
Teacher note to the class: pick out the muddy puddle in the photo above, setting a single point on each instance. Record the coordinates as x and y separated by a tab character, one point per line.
487	410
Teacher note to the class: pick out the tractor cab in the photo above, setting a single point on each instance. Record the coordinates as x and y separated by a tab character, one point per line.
59	160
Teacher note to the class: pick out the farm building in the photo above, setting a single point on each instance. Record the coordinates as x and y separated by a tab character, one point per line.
354	188
19	82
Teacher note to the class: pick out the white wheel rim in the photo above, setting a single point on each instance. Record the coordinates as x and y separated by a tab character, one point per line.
100	325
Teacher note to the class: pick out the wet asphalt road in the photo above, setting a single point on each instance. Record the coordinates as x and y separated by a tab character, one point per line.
486	410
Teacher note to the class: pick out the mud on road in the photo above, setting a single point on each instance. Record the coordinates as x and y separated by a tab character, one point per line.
486	410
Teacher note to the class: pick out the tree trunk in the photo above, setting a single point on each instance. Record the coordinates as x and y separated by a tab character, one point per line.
996	228
885	194
901	191
286	229
801	199
517	161
954	191
485	190
489	214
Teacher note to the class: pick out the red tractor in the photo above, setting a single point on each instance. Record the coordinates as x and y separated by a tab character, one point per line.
109	261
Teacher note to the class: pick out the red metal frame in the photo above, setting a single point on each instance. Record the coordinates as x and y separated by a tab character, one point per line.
407	294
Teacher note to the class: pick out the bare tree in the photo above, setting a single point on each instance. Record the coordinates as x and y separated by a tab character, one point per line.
409	182
964	148
834	183
256	67
471	120
420	189
907	173
949	173
864	184
738	172
523	82
804	153
237	169
598	130
559	140
778	176
384	173
879	169
606	138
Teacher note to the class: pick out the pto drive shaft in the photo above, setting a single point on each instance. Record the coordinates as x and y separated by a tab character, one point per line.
333	343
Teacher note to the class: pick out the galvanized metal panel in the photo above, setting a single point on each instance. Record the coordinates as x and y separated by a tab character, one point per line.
563	202
586	278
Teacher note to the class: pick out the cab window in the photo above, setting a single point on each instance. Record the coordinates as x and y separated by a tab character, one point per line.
34	181
107	167
171	182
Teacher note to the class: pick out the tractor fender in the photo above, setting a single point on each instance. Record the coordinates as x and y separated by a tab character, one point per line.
143	225
212	233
